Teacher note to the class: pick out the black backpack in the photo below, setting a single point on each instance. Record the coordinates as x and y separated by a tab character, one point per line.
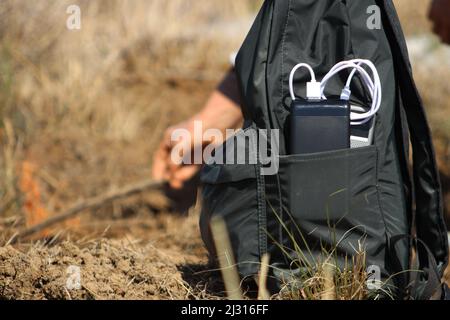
333	198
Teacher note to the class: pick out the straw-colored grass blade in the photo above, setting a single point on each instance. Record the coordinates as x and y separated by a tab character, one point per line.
329	287
263	293
226	259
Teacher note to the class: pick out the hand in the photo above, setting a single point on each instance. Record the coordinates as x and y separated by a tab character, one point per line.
165	168
439	14
220	113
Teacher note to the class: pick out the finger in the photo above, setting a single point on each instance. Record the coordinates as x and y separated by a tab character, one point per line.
183	175
180	155
186	173
184	153
160	171
160	168
161	161
176	184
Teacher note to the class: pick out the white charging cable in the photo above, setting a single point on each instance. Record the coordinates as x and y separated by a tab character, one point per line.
374	87
315	90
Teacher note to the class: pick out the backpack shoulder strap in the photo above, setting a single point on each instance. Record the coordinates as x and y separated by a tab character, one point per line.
430	225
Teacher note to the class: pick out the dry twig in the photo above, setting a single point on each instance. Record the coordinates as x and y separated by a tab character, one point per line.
92	203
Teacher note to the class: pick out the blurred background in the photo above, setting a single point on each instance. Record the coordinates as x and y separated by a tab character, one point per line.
82	111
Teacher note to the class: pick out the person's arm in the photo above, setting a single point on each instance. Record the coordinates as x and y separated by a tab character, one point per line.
222	111
440	16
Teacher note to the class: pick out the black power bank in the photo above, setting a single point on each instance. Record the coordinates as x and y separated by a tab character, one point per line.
319	126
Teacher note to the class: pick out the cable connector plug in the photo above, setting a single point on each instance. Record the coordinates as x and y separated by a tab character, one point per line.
346	94
313	90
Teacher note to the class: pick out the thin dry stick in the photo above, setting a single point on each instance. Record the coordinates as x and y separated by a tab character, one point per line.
226	259
263	293
92	203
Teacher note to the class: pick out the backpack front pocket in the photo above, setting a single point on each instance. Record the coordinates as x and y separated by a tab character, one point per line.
235	192
230	191
331	203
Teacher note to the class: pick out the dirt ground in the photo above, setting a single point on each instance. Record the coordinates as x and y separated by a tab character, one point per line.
169	264
158	258
77	123
130	249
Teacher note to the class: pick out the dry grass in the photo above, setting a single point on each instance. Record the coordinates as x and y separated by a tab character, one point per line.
324	274
69	100
431	64
326	281
86	108
115	82
430	60
109	270
55	78
414	15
